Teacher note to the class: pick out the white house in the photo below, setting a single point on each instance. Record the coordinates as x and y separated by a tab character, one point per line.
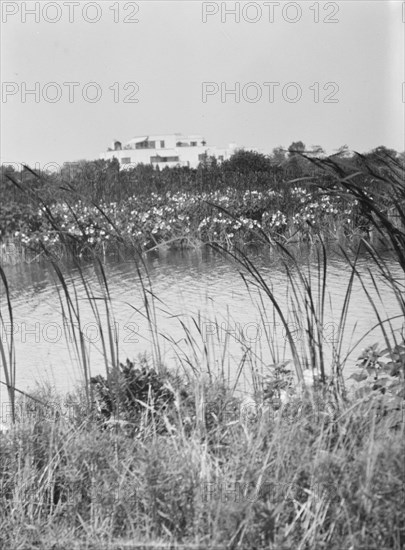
165	150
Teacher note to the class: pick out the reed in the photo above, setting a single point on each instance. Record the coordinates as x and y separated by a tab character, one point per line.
7	350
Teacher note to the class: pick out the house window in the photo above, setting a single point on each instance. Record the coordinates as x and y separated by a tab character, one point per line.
193	144
146	145
162	144
126	160
157	158
203	156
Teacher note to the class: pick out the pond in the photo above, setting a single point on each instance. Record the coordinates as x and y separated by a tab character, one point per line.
205	314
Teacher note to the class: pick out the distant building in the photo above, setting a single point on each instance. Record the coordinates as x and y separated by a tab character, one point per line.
165	150
70	170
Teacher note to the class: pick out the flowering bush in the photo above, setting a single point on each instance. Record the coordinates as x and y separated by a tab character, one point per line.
228	216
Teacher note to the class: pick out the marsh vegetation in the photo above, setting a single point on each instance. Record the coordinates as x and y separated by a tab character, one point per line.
145	454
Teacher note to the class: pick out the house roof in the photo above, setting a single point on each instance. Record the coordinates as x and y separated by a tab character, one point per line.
155	137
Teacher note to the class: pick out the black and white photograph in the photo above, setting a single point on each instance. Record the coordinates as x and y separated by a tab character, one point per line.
202	275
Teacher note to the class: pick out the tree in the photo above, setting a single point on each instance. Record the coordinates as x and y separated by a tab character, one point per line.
316	151
278	155
380	155
297	165
295	148
246	162
344	152
382	161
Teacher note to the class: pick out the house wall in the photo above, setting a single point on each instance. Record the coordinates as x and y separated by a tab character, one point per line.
187	155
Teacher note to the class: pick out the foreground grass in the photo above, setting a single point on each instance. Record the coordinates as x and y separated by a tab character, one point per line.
197	466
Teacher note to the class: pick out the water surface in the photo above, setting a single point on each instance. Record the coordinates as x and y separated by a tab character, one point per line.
205	315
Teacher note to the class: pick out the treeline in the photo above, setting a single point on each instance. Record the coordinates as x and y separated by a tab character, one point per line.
101	180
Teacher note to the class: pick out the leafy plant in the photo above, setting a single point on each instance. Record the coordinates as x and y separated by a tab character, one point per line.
382	374
135	393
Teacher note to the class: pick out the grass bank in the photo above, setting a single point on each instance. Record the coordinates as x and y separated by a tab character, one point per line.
189	464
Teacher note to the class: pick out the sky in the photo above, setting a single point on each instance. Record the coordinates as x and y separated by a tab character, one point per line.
325	73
